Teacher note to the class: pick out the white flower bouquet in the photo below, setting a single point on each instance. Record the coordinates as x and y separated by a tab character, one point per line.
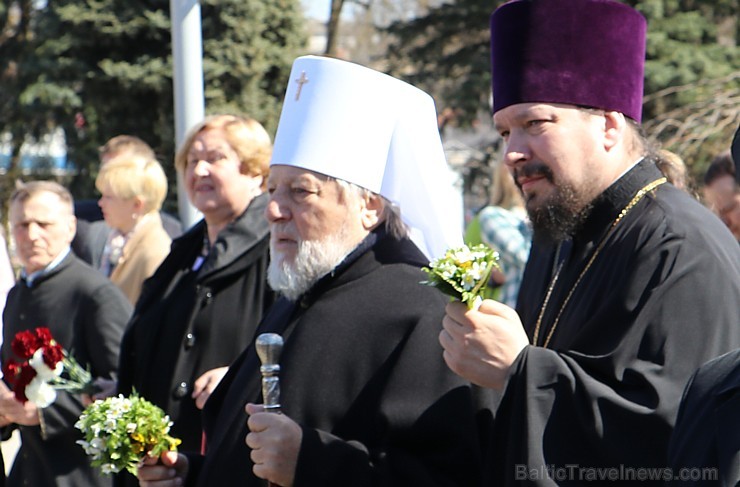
120	431
463	272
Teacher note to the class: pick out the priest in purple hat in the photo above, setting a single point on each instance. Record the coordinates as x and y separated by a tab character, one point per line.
630	285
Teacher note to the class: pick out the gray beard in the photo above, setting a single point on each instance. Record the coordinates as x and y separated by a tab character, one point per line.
314	260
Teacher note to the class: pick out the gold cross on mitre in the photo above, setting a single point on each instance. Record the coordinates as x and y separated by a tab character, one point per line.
301	81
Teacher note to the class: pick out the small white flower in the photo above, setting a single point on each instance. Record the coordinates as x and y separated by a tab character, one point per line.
43	370
40	393
447	270
109	468
110	425
472	276
463	255
98	444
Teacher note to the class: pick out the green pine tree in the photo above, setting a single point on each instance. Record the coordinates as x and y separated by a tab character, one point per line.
100	68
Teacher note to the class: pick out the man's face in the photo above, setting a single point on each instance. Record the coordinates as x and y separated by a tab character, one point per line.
722	196
555	154
42	227
313	226
730	214
720	192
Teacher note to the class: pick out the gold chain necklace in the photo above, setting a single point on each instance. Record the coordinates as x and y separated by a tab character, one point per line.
638	196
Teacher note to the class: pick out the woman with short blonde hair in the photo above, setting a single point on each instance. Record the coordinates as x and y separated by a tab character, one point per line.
132	189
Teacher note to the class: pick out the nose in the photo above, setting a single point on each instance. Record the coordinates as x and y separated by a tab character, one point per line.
201	168
516	150
34	231
277	210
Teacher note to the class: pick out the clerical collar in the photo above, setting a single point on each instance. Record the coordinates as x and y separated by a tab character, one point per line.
608	204
629	168
30	278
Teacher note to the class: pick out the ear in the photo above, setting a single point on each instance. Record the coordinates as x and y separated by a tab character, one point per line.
615	127
371	211
72	227
138	204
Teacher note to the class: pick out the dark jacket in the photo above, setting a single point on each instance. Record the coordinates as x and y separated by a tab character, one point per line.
362	373
86	314
707	434
187	321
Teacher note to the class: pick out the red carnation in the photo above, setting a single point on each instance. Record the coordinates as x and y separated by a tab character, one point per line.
53	354
11	371
24	344
43	336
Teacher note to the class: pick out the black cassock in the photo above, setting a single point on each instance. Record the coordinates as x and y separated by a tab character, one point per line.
660	298
362	373
707	434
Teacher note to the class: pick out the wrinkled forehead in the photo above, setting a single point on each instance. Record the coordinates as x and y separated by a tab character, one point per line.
42	200
284	174
46	208
723	186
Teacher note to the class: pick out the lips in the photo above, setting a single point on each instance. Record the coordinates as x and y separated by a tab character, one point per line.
282	240
203	187
527	182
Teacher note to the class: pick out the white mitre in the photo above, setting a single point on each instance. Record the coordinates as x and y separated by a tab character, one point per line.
352	123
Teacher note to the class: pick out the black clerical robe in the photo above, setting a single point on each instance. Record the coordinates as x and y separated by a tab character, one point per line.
660	298
362	373
705	446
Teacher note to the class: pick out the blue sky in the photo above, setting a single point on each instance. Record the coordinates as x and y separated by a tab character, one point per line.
317	9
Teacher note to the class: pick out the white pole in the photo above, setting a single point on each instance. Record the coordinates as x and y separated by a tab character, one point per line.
187	76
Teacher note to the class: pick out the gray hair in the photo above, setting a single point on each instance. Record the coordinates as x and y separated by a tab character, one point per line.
391	215
27	190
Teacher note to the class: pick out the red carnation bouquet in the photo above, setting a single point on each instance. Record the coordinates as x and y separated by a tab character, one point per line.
44	368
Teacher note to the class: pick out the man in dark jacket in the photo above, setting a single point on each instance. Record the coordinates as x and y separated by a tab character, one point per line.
366	397
85	313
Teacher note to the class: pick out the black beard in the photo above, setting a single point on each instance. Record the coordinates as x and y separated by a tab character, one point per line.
560	218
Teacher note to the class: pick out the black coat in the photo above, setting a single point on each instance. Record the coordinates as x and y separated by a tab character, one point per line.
188	322
362	373
86	314
660	299
707	434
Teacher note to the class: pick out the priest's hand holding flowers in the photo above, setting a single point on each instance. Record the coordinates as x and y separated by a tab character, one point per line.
121	431
463	272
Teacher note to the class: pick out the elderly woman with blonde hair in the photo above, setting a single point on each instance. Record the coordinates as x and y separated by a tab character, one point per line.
132	189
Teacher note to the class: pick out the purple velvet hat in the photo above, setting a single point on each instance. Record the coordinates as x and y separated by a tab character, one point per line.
578	52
